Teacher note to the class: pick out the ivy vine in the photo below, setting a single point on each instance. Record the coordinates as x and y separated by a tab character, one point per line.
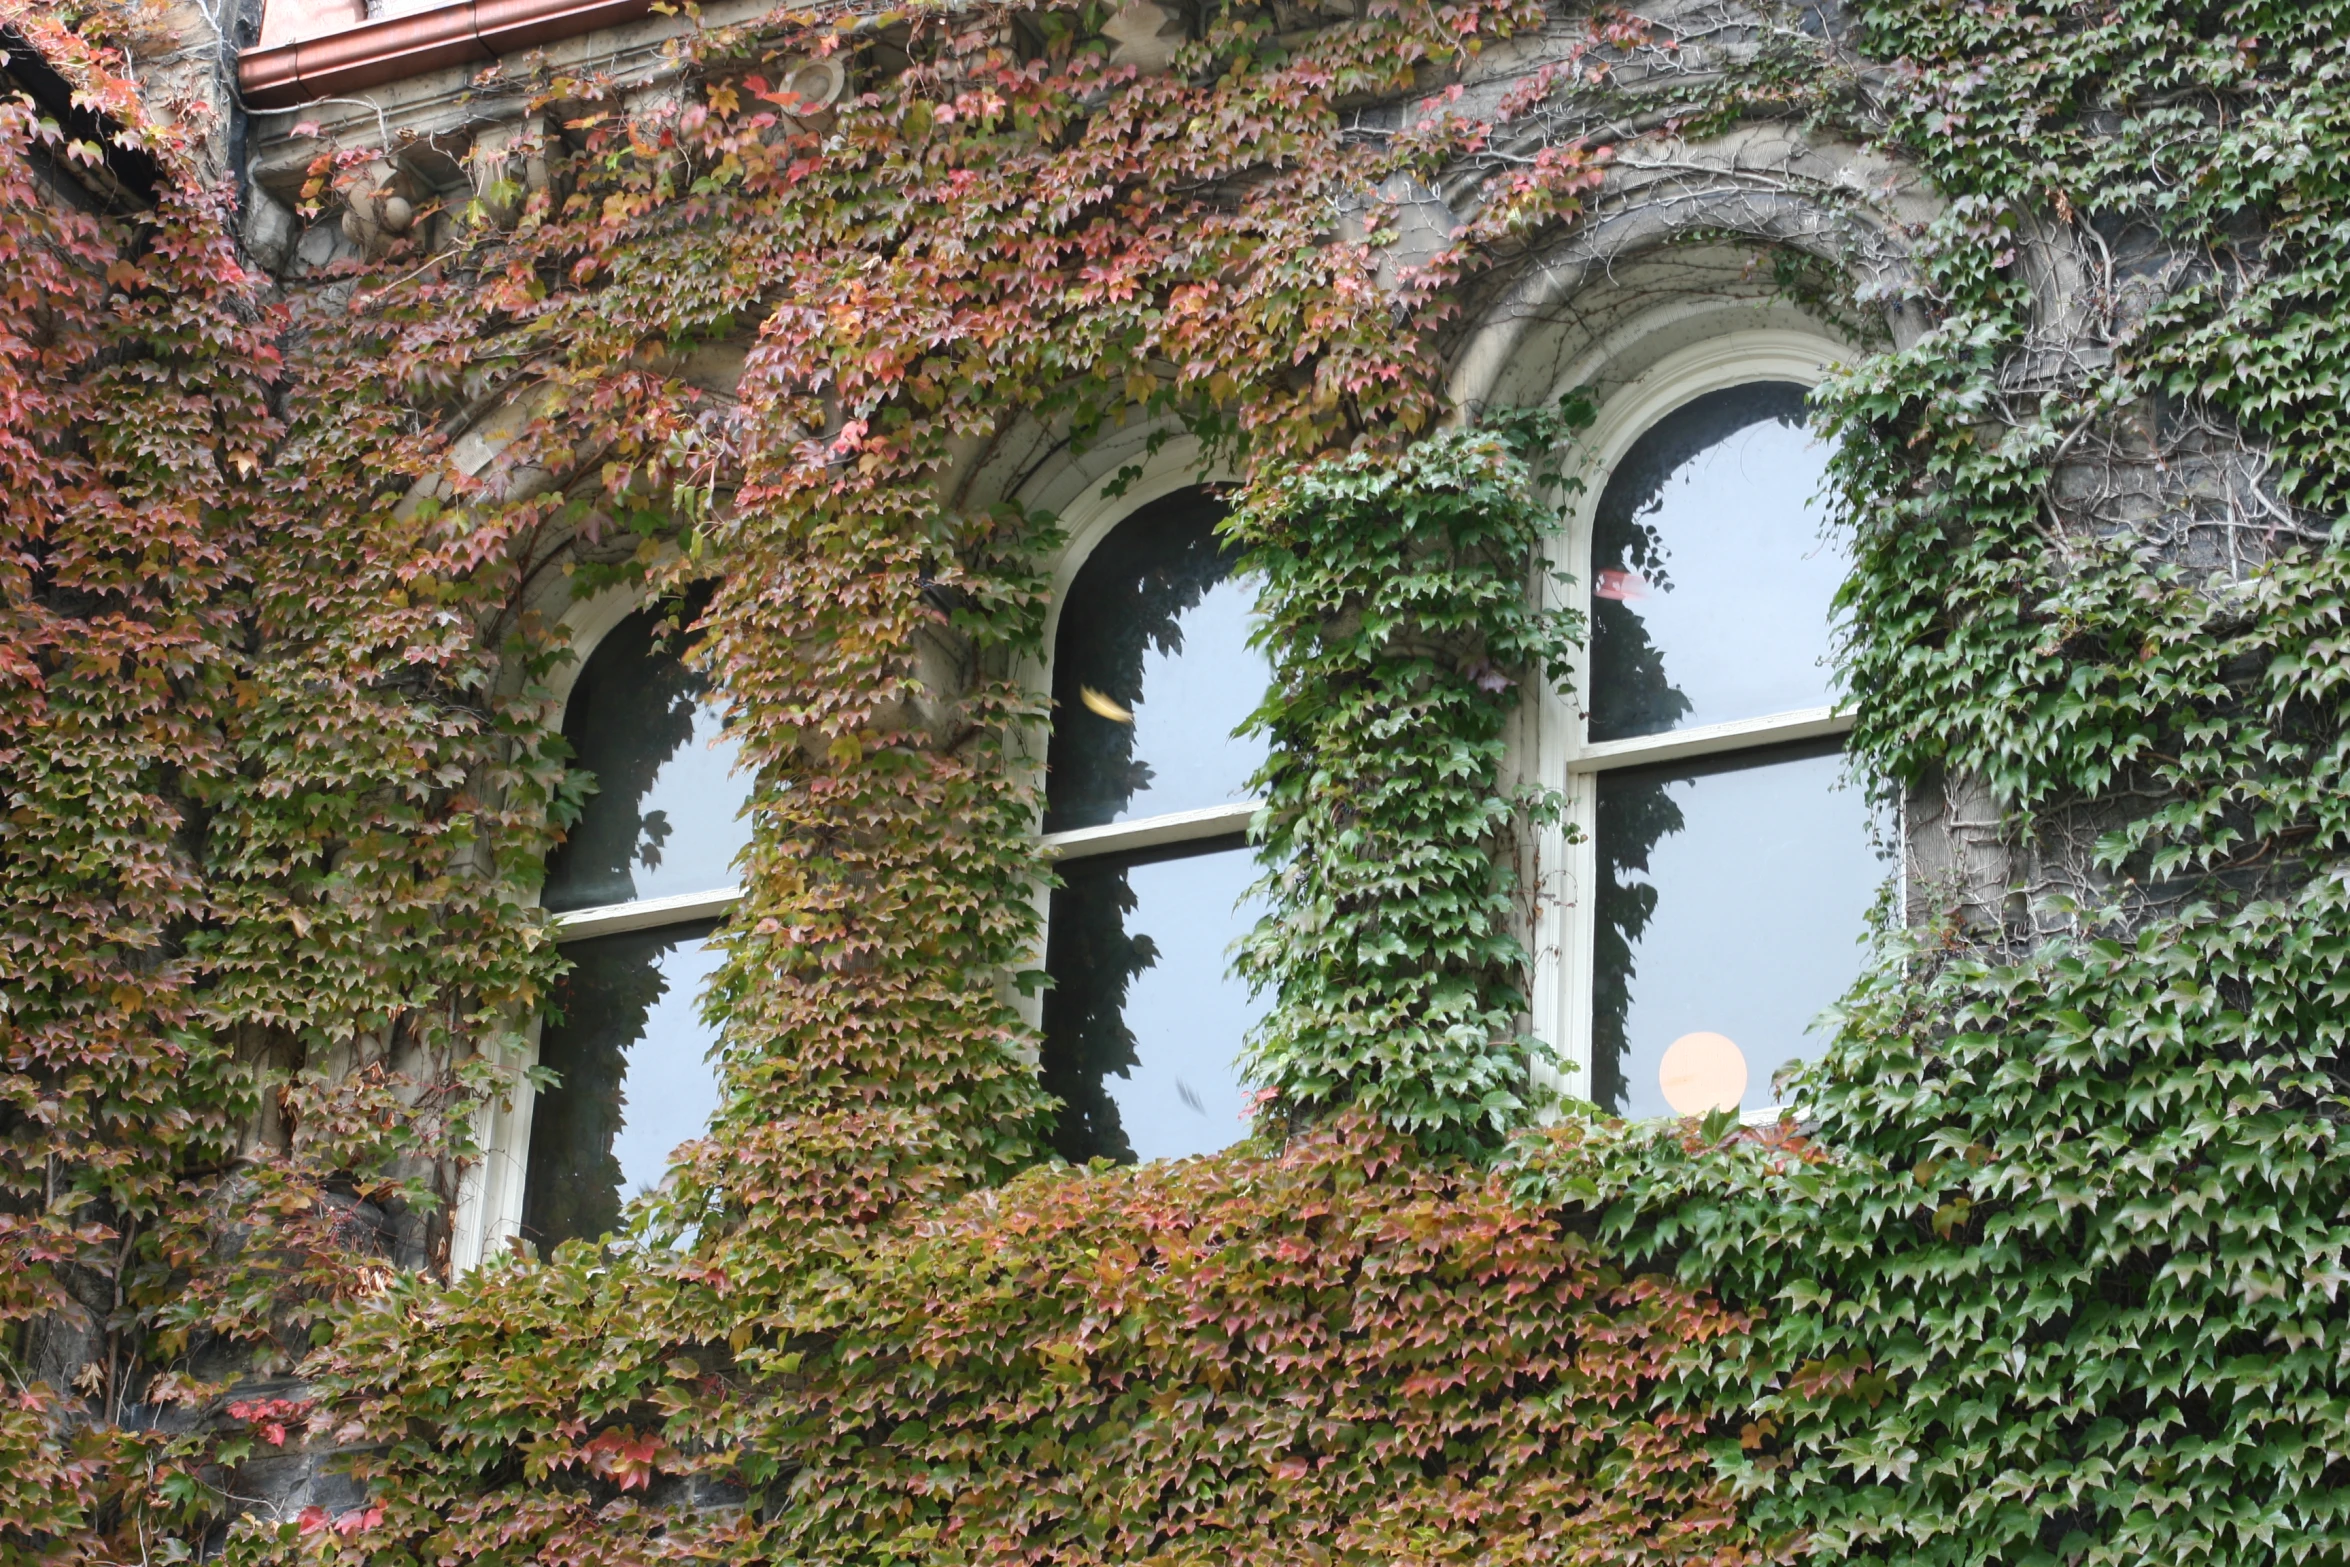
1398	602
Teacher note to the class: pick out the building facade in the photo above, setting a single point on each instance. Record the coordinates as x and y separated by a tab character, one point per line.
833	812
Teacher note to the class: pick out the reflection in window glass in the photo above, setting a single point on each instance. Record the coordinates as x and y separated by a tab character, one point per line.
632	1053
1152	672
1144	1022
1732	902
665	818
1711	580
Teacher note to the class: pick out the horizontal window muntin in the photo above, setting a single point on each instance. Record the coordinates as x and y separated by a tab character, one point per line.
1735	735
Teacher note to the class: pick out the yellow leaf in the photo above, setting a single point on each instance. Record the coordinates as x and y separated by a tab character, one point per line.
1097	703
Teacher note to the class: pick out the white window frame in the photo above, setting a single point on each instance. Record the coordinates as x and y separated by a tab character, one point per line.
1566	878
489	1196
1088	517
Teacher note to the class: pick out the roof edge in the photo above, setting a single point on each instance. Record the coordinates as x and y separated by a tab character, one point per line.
398	47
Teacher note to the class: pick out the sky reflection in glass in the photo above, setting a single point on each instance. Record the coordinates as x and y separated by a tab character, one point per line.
1155	627
666	815
1143	1027
1733	898
1711	580
633	1055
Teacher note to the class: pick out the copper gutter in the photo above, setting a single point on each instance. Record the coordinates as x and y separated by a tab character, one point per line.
399	47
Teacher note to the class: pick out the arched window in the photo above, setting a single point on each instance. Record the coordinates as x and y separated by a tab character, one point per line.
1146	804
1731	868
637	888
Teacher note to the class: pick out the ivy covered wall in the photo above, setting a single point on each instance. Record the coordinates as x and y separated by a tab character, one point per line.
2051	1270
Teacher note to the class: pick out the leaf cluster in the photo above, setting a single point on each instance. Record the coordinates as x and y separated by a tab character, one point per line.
1397	613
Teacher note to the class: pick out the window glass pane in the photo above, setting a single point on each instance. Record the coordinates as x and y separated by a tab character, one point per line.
1152	673
1732	902
1710	577
1144	1022
666	815
633	1055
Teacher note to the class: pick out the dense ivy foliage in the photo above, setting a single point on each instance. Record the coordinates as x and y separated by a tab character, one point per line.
269	818
1003	227
1007	228
1398	622
1348	1353
2054	1274
2070	1288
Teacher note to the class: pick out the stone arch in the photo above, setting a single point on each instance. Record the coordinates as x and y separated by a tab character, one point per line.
1678	224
